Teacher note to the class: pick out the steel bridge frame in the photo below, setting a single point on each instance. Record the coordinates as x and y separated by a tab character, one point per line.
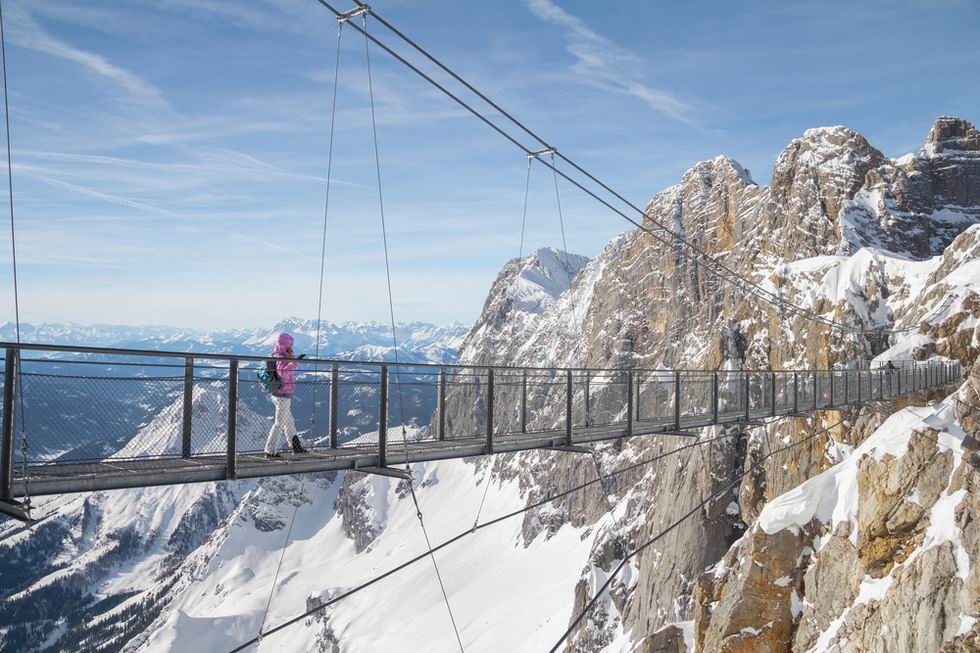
824	390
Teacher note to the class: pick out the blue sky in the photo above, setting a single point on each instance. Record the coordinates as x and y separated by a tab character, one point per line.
169	155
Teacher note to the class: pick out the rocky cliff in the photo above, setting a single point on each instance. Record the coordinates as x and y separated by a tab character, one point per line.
840	230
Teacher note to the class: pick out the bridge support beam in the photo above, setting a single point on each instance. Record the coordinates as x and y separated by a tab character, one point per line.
231	446
7	429
386	471
441	407
569	448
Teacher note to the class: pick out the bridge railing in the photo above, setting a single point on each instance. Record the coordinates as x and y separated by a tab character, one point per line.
97	406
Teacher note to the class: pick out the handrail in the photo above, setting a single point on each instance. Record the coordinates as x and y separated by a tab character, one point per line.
183	355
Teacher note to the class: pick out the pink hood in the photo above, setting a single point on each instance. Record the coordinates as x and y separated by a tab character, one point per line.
283	342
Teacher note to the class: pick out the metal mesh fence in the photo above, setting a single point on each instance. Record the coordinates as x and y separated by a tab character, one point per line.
138	411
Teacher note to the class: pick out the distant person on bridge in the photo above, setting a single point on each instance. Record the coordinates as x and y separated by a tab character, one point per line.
283	427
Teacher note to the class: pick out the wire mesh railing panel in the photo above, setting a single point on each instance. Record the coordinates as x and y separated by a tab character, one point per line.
509	404
412	404
358	409
697	395
466	404
546	401
608	397
209	416
73	418
784	391
731	394
655	396
760	392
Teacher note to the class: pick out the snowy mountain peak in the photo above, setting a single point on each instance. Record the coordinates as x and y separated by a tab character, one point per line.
542	277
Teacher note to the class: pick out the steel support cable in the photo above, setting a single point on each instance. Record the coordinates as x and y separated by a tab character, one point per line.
394	337
516	288
715	496
736	279
561	221
319	313
470	531
326	212
24	447
540	140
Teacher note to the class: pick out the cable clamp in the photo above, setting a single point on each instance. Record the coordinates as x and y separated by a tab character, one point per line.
353	13
548	151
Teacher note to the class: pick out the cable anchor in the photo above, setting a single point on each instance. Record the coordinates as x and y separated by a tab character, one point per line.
353	13
548	151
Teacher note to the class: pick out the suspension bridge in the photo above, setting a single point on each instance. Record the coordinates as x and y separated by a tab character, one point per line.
80	419
101	419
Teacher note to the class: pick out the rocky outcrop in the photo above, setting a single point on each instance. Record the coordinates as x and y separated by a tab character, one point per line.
886	563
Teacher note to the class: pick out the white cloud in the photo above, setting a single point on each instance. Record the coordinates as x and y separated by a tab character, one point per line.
604	63
27	33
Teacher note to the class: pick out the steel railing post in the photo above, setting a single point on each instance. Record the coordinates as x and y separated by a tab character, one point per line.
524	401
796	392
441	408
588	381
677	400
772	394
901	371
881	385
847	387
747	381
637	381
383	418
568	407
629	402
833	377
185	440
7	435
490	410
231	447
715	398
334	401
816	385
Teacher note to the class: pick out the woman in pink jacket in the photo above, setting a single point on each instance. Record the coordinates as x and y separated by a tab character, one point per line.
283	427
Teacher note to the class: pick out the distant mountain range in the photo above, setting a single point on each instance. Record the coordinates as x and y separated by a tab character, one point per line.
418	342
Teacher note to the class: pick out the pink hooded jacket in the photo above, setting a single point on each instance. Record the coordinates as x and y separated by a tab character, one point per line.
285	368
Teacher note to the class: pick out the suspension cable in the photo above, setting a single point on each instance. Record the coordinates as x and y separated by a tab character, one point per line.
561	221
319	313
394	337
326	212
24	447
712	265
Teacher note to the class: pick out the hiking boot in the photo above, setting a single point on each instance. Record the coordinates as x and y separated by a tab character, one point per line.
273	455
297	445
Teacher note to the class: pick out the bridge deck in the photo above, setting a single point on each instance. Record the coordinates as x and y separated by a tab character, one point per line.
114	474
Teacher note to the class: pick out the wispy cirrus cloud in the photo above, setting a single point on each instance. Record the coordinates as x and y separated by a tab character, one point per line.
26	32
602	62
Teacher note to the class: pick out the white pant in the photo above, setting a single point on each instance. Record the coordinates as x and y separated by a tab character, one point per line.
283	428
